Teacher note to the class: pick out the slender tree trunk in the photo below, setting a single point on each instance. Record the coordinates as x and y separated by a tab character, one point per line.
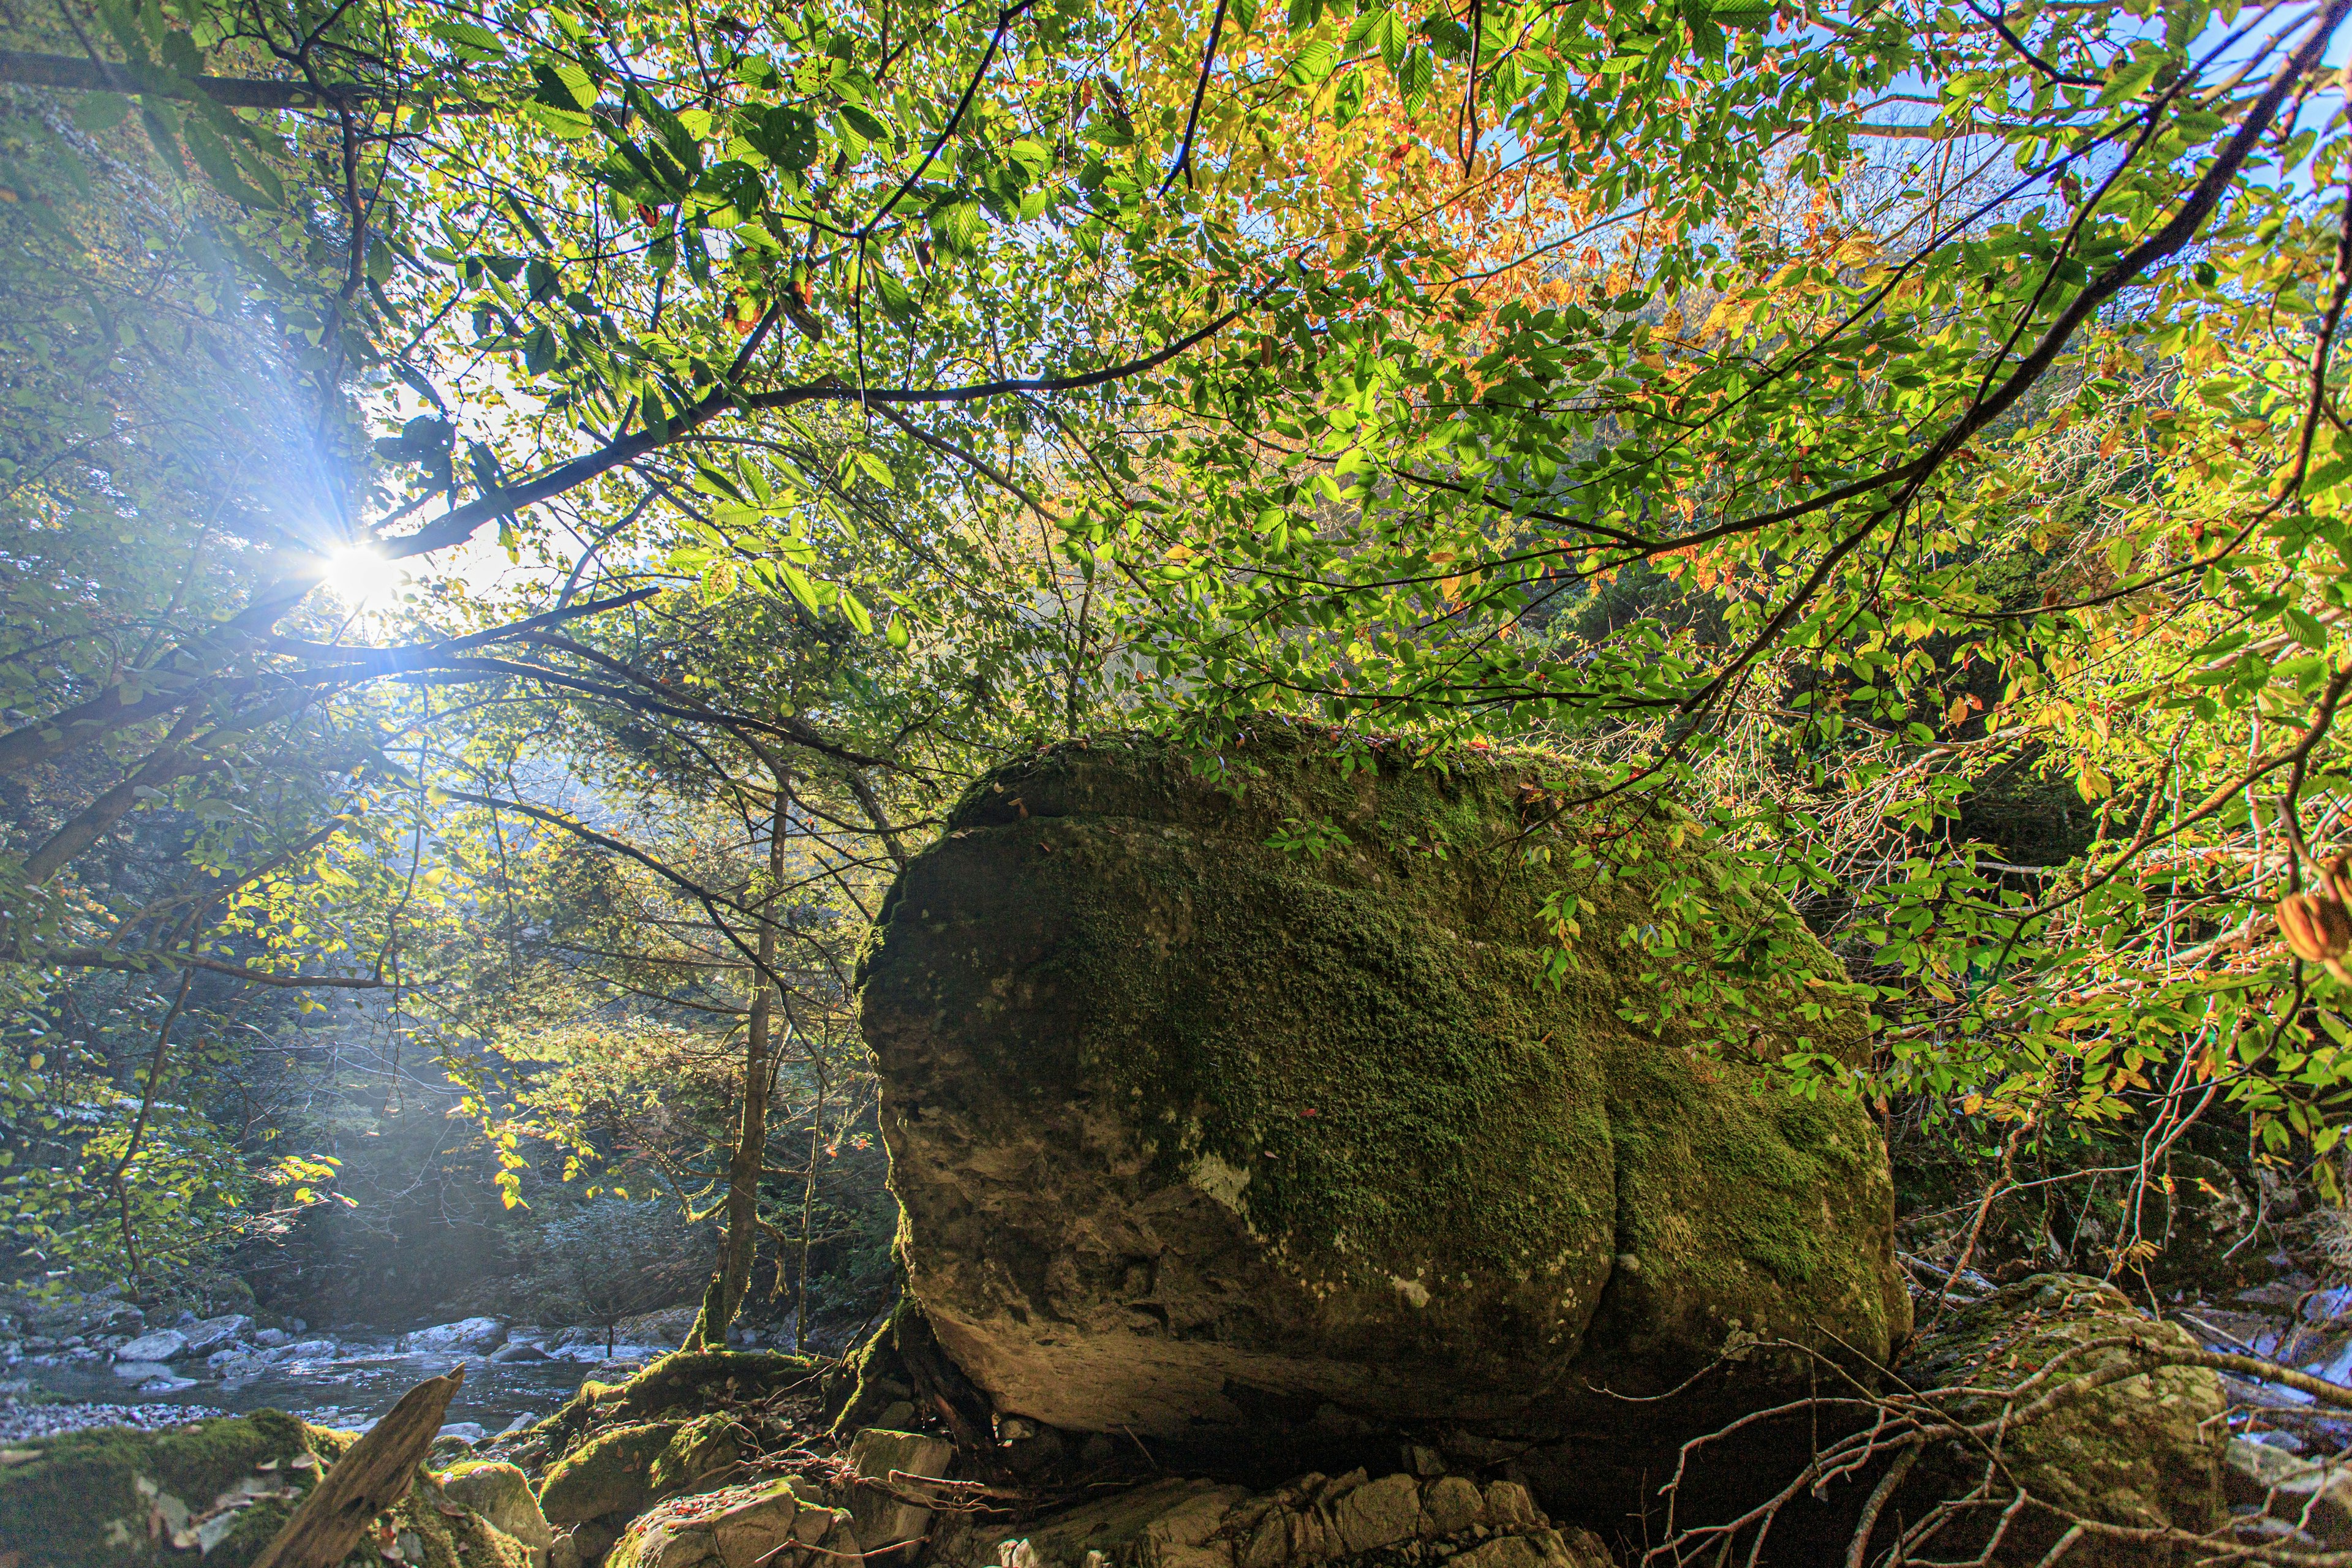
808	1209
735	1255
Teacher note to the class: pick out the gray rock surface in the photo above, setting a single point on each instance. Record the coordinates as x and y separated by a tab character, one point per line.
464	1336
163	1344
215	1333
2312	1495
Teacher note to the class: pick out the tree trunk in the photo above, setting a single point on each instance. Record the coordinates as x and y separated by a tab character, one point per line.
808	1209
735	1253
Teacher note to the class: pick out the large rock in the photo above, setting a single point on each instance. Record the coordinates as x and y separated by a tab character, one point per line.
1193	1133
777	1524
2141	1452
215	1333
619	1470
502	1494
466	1336
1312	1521
884	1502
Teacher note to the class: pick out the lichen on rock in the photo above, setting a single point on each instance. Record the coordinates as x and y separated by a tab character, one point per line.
773	1524
1194	1132
2139	1452
613	1472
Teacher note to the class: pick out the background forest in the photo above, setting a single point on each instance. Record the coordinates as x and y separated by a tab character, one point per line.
518	520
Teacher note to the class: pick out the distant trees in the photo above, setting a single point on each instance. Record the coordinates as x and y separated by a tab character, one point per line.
606	1259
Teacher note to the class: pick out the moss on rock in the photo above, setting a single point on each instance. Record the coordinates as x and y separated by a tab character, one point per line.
610	1473
2140	1452
1190	1129
116	1498
678	1386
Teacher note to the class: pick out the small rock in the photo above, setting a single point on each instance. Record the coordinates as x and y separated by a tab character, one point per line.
141	1370
464	1431
2255	1474
758	1526
170	1382
1451	1505
163	1344
1379	1513
466	1334
510	1352
882	1518
271	1338
214	1333
1510	1508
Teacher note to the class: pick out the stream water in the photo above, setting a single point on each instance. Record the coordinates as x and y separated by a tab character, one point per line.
347	1391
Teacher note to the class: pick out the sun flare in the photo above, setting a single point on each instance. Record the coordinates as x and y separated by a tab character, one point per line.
361	576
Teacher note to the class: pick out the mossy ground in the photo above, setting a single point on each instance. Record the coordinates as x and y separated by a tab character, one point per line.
678	1386
110	1498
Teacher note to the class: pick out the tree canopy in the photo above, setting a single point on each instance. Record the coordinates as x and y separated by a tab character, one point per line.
1899	442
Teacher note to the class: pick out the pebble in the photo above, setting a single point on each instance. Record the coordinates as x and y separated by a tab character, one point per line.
18	1422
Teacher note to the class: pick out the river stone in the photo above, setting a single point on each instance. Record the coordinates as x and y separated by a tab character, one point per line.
1193	1134
215	1333
163	1344
466	1334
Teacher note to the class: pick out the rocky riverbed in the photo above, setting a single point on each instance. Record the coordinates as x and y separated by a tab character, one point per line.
70	1361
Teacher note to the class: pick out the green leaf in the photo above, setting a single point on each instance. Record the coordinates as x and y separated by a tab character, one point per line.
2306	630
784	135
2127	82
100	110
1312	63
563	85
957	226
468	41
213	156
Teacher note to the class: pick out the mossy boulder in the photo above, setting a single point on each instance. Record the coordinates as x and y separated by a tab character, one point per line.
1194	1131
221	1490
679	1387
502	1494
783	1523
622	1468
2141	1452
610	1473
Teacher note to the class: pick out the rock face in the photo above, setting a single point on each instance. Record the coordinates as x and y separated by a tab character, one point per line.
2140	1452
1193	1133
